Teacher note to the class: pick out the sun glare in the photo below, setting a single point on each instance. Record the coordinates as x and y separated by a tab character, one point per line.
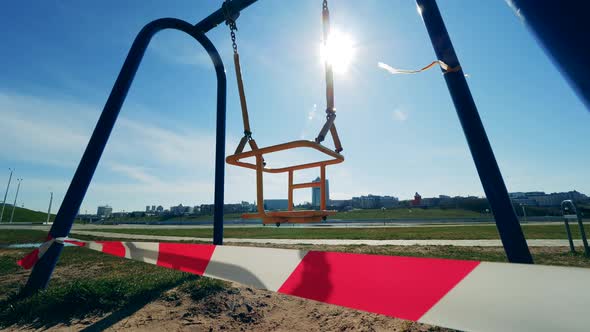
339	51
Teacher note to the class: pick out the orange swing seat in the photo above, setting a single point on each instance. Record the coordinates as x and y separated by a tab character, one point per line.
291	215
333	157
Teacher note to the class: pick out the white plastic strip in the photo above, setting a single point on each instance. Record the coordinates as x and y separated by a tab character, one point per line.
264	268
516	297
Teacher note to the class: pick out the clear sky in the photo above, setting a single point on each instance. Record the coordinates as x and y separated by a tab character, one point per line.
59	59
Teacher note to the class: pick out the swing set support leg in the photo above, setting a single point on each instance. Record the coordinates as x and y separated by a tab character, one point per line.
507	222
41	274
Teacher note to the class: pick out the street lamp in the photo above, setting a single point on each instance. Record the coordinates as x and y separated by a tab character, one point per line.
15	197
49	209
5	194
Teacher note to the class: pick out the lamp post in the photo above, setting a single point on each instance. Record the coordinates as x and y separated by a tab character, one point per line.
15	197
6	194
49	209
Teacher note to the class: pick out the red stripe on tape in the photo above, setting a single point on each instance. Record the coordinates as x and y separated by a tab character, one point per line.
114	248
29	260
403	287
186	257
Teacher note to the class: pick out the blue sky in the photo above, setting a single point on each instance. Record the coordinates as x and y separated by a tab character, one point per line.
400	133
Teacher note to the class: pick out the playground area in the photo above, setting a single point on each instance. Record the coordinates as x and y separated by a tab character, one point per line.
378	264
96	291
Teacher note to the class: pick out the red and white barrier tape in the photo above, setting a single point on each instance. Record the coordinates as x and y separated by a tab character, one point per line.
31	259
459	294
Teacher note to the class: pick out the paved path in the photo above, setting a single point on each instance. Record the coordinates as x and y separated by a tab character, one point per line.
459	243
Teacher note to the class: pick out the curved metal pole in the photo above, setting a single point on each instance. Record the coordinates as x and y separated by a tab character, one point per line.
70	206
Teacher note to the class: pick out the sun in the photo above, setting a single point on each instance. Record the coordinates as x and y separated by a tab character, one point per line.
339	51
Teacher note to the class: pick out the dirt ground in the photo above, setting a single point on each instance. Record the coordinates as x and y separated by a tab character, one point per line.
237	308
241	308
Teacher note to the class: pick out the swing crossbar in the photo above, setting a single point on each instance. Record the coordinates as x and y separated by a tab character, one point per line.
299	216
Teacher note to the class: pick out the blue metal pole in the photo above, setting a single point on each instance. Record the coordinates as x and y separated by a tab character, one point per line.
68	210
232	9
507	223
561	27
219	140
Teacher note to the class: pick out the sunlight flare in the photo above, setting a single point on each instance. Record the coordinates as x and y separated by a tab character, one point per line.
339	51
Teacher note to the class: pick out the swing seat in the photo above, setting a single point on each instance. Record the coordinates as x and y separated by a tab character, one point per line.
292	216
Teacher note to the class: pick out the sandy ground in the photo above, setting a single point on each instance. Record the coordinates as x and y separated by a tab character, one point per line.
237	308
245	309
240	308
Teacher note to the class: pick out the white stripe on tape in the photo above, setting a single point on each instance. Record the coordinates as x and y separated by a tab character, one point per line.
94	246
513	297
258	267
146	252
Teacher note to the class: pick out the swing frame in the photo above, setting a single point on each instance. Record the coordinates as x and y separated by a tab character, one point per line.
507	223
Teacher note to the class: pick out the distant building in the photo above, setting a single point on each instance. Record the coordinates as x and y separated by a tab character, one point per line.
160	208
417	201
236	208
374	202
153	208
180	210
316	195
389	201
276	204
429	202
119	214
366	202
136	214
542	199
104	211
207	209
248	207
339	203
147	208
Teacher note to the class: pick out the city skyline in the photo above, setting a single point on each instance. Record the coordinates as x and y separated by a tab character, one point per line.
400	133
524	198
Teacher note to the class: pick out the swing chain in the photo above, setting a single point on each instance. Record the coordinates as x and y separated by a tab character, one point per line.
231	22
325	5
232	32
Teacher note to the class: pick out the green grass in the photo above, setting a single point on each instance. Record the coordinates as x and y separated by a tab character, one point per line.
153	219
24	215
476	232
86	283
203	287
405	213
11	236
397	213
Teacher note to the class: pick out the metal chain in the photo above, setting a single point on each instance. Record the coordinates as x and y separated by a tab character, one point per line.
232	32
231	22
325	5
